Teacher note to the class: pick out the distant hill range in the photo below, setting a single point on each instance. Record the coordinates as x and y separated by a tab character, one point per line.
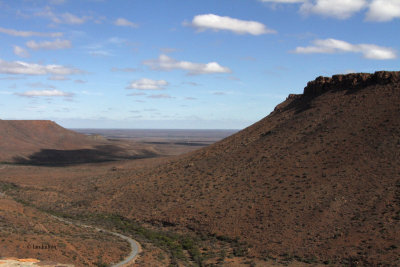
43	142
316	180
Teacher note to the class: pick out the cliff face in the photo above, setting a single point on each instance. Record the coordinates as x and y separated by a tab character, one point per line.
352	81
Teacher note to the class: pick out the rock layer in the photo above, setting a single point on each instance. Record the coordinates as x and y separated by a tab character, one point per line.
351	81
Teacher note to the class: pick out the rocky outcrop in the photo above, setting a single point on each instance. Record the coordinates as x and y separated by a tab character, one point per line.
351	81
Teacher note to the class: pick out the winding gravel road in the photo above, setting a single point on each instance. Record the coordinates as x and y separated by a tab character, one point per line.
135	246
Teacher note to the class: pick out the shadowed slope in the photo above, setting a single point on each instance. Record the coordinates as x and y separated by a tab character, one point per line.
46	143
24	137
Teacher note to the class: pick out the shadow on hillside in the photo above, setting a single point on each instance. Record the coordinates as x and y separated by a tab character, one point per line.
300	103
54	157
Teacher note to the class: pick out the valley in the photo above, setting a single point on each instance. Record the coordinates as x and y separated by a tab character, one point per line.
316	183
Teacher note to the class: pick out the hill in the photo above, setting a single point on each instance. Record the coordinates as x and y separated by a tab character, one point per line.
23	137
41	142
319	178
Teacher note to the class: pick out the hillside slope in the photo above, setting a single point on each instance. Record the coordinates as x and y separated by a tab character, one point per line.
41	142
317	178
23	137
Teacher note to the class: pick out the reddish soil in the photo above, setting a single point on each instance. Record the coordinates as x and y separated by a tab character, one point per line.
23	137
33	142
318	180
26	232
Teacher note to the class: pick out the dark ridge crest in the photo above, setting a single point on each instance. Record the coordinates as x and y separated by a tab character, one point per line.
351	81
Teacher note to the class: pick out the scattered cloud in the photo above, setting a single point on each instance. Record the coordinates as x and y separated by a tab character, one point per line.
49	45
125	23
20	67
65	18
41	85
80	81
29	33
46	93
190	98
377	10
383	10
160	96
167	63
21	52
217	23
58	78
332	46
148	84
124	69
341	9
137	94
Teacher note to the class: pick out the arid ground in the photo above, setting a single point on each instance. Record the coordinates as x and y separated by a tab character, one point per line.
316	182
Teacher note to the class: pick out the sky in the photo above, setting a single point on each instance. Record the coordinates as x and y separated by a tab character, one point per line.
188	64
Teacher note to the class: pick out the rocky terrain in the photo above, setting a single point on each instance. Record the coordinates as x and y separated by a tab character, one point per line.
317	181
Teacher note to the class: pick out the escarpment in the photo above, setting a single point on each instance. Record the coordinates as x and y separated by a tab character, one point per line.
351	81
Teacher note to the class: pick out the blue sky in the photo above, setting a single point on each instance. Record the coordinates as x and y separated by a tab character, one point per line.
181	64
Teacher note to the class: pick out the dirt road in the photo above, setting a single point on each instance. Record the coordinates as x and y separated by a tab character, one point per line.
135	246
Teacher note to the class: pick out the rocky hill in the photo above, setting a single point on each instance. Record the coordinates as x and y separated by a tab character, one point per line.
317	179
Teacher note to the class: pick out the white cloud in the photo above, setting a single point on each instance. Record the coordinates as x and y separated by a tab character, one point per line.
47	93
29	33
66	18
341	9
21	52
148	84
20	67
378	10
383	10
125	23
216	23
49	45
100	53
58	78
160	96
331	46
167	63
